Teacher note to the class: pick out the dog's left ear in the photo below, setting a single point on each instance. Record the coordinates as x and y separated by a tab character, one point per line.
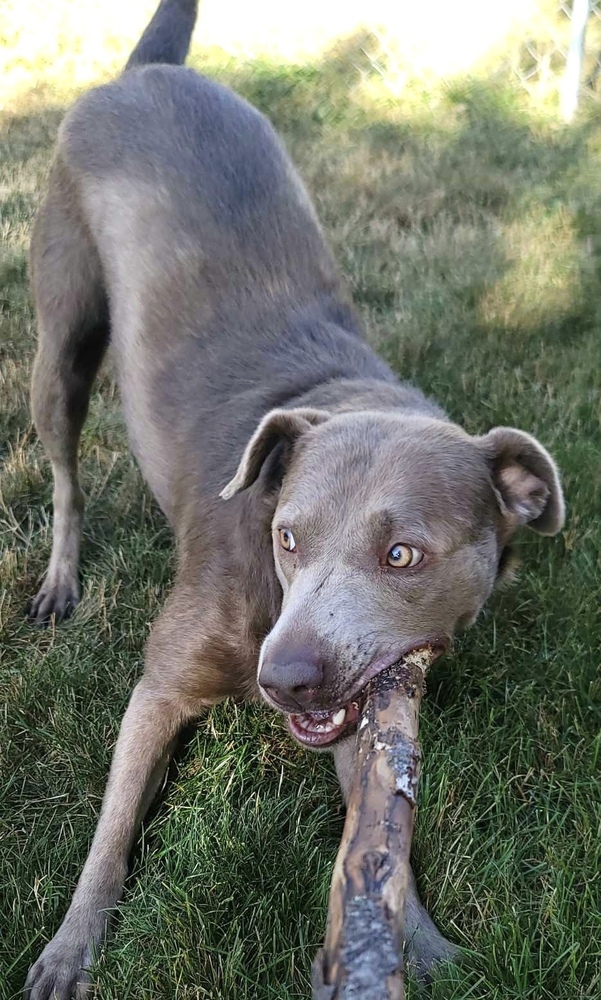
526	480
276	427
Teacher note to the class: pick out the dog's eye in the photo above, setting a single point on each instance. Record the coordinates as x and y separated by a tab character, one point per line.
287	539
404	556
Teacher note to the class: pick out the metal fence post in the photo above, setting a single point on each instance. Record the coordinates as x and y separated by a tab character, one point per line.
571	81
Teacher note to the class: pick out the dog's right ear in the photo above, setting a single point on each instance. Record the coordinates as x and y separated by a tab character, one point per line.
276	427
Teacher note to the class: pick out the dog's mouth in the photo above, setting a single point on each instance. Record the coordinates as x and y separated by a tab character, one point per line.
322	728
319	729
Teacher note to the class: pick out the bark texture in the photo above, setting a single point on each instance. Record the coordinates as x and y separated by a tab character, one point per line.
363	954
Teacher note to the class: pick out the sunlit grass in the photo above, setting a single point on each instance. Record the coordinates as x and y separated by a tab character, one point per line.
469	226
59	48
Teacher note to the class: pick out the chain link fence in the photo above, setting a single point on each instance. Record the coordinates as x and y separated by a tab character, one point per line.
539	62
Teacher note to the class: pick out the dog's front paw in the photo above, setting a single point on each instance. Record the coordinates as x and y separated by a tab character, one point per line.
59	596
60	972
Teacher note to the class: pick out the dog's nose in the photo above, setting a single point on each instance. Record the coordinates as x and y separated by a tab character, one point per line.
292	676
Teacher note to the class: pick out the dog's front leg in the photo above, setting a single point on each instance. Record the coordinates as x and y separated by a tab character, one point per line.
425	945
148	731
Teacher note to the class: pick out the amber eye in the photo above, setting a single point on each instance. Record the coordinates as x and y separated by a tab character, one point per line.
404	556
287	539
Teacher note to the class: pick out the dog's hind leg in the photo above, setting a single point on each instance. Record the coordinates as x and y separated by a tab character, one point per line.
73	332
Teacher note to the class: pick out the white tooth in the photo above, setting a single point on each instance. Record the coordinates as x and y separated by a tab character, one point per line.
328	727
339	718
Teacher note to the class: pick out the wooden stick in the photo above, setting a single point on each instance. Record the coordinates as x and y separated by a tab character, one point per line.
363	954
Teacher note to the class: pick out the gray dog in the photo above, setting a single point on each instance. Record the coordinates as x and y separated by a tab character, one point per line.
328	518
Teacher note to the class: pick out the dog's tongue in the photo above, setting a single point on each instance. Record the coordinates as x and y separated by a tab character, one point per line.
320	728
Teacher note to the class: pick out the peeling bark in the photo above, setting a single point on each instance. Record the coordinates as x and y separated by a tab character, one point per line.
363	954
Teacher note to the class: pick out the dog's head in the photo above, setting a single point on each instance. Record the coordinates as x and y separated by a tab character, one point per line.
389	532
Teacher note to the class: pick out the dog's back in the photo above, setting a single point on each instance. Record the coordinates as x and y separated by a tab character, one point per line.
215	267
198	182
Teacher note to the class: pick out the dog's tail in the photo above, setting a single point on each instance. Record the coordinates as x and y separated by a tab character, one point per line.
167	37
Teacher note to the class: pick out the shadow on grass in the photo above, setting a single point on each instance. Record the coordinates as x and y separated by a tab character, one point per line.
470	232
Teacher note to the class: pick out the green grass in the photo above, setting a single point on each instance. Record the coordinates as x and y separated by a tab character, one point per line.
469	226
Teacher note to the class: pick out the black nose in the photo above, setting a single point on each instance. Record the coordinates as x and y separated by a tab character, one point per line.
292	675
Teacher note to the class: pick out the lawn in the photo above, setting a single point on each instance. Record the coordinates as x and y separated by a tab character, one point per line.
468	223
